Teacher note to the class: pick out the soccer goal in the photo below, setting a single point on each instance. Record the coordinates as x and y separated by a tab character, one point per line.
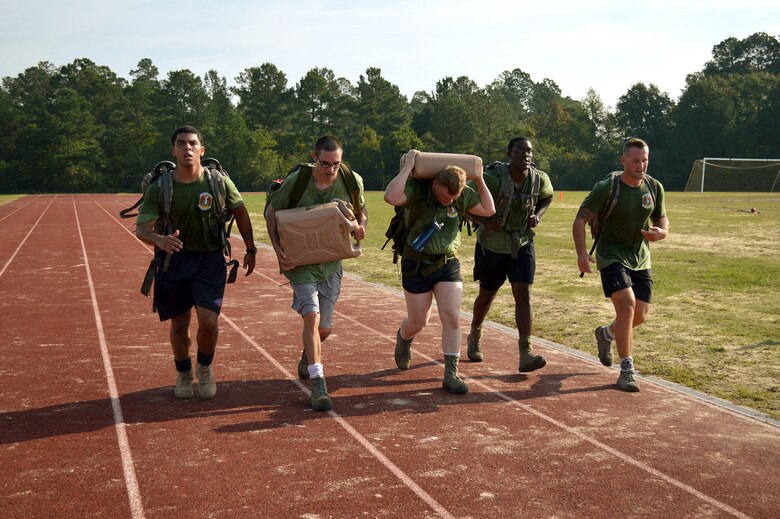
727	174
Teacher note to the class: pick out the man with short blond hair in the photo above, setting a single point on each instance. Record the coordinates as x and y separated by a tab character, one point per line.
623	252
430	267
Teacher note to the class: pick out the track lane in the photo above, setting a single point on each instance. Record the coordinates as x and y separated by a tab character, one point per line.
560	442
680	409
56	434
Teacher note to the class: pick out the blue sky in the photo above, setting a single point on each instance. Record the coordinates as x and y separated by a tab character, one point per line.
606	45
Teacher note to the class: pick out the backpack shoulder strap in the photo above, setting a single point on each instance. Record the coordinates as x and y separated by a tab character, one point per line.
614	194
536	185
653	185
354	190
216	178
165	200
506	191
596	225
304	174
217	184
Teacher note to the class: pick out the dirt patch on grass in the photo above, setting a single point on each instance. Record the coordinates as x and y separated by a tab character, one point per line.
733	244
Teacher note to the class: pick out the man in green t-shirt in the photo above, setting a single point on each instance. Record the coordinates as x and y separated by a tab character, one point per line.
623	252
316	288
196	273
505	246
430	268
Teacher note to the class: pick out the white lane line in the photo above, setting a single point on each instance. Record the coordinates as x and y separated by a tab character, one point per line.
626	458
384	460
2	271
133	492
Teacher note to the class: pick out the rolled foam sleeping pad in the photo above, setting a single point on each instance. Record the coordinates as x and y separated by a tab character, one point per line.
428	164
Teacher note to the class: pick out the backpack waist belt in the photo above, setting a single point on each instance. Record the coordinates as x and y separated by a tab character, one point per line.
515	236
433	262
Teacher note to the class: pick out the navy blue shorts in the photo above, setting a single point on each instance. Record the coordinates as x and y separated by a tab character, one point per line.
491	269
616	277
193	279
419	284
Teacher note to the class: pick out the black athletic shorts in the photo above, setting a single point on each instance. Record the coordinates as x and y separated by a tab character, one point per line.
193	279
491	269
419	284
616	277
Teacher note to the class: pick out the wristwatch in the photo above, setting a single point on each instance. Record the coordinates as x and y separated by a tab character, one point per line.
253	250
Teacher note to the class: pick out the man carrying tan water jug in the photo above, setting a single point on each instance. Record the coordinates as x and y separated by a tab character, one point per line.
316	287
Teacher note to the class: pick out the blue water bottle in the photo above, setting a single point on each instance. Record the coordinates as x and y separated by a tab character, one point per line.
422	240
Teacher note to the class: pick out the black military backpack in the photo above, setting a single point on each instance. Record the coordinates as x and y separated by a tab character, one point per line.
162	175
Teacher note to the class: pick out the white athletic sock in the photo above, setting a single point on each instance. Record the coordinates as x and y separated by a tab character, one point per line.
316	370
627	364
608	333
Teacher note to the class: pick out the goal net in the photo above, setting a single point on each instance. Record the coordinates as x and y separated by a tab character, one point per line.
725	174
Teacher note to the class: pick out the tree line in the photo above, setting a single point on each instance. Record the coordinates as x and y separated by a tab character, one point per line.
82	128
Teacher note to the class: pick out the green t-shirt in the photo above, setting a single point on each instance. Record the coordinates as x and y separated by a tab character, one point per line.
447	239
280	200
498	179
192	211
620	241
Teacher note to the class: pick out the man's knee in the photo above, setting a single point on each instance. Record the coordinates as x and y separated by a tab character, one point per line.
641	312
522	293
486	294
208	326
449	320
624	302
181	323
311	320
626	308
417	322
208	321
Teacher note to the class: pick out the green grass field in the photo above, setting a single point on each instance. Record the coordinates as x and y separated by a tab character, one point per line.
715	321
8	198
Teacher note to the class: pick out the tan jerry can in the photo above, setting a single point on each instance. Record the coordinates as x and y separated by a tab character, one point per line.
428	165
318	233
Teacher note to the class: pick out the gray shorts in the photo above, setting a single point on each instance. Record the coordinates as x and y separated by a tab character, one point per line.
318	297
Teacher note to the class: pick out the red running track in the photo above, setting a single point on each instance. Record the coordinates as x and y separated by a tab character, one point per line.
89	426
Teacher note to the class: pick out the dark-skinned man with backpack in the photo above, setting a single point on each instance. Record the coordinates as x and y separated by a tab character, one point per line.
505	246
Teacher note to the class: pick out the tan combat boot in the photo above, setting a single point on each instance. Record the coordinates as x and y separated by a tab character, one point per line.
529	361
475	337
